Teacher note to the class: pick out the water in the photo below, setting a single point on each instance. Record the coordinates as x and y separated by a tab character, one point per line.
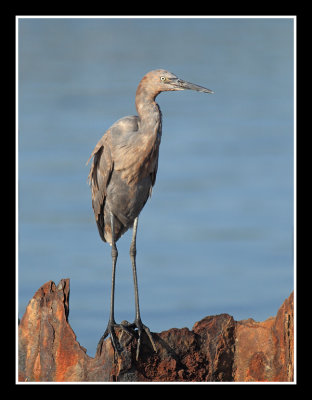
217	234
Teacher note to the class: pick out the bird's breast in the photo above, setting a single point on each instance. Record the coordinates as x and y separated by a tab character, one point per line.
137	158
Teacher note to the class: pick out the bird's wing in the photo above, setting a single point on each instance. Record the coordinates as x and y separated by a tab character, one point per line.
99	176
104	162
135	154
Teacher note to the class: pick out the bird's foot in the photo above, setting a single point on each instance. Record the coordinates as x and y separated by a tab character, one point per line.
110	330
141	327
128	328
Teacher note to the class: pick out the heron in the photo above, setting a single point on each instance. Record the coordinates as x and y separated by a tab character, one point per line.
122	175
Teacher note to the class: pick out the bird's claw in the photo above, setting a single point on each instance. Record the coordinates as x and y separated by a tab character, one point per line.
141	327
110	330
127	328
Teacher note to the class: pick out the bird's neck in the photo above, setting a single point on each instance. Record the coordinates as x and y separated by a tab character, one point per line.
148	111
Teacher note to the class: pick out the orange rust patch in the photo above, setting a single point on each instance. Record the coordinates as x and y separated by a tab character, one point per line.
37	368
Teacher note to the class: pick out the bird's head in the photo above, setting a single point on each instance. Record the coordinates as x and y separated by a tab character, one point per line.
160	80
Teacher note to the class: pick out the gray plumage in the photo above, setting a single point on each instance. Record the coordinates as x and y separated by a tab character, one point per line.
122	174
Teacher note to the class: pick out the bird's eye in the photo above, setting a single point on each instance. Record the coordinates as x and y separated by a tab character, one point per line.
163	78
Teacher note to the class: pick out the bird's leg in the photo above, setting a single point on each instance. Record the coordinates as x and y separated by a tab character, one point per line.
138	322
111	323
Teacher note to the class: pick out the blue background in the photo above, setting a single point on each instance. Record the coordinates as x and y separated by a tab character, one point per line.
217	234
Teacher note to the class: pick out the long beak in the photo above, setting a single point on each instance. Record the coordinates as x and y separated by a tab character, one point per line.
179	84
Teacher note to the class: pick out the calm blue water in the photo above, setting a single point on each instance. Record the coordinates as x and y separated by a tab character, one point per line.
217	235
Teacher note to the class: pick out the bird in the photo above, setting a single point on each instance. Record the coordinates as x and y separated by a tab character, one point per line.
122	174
